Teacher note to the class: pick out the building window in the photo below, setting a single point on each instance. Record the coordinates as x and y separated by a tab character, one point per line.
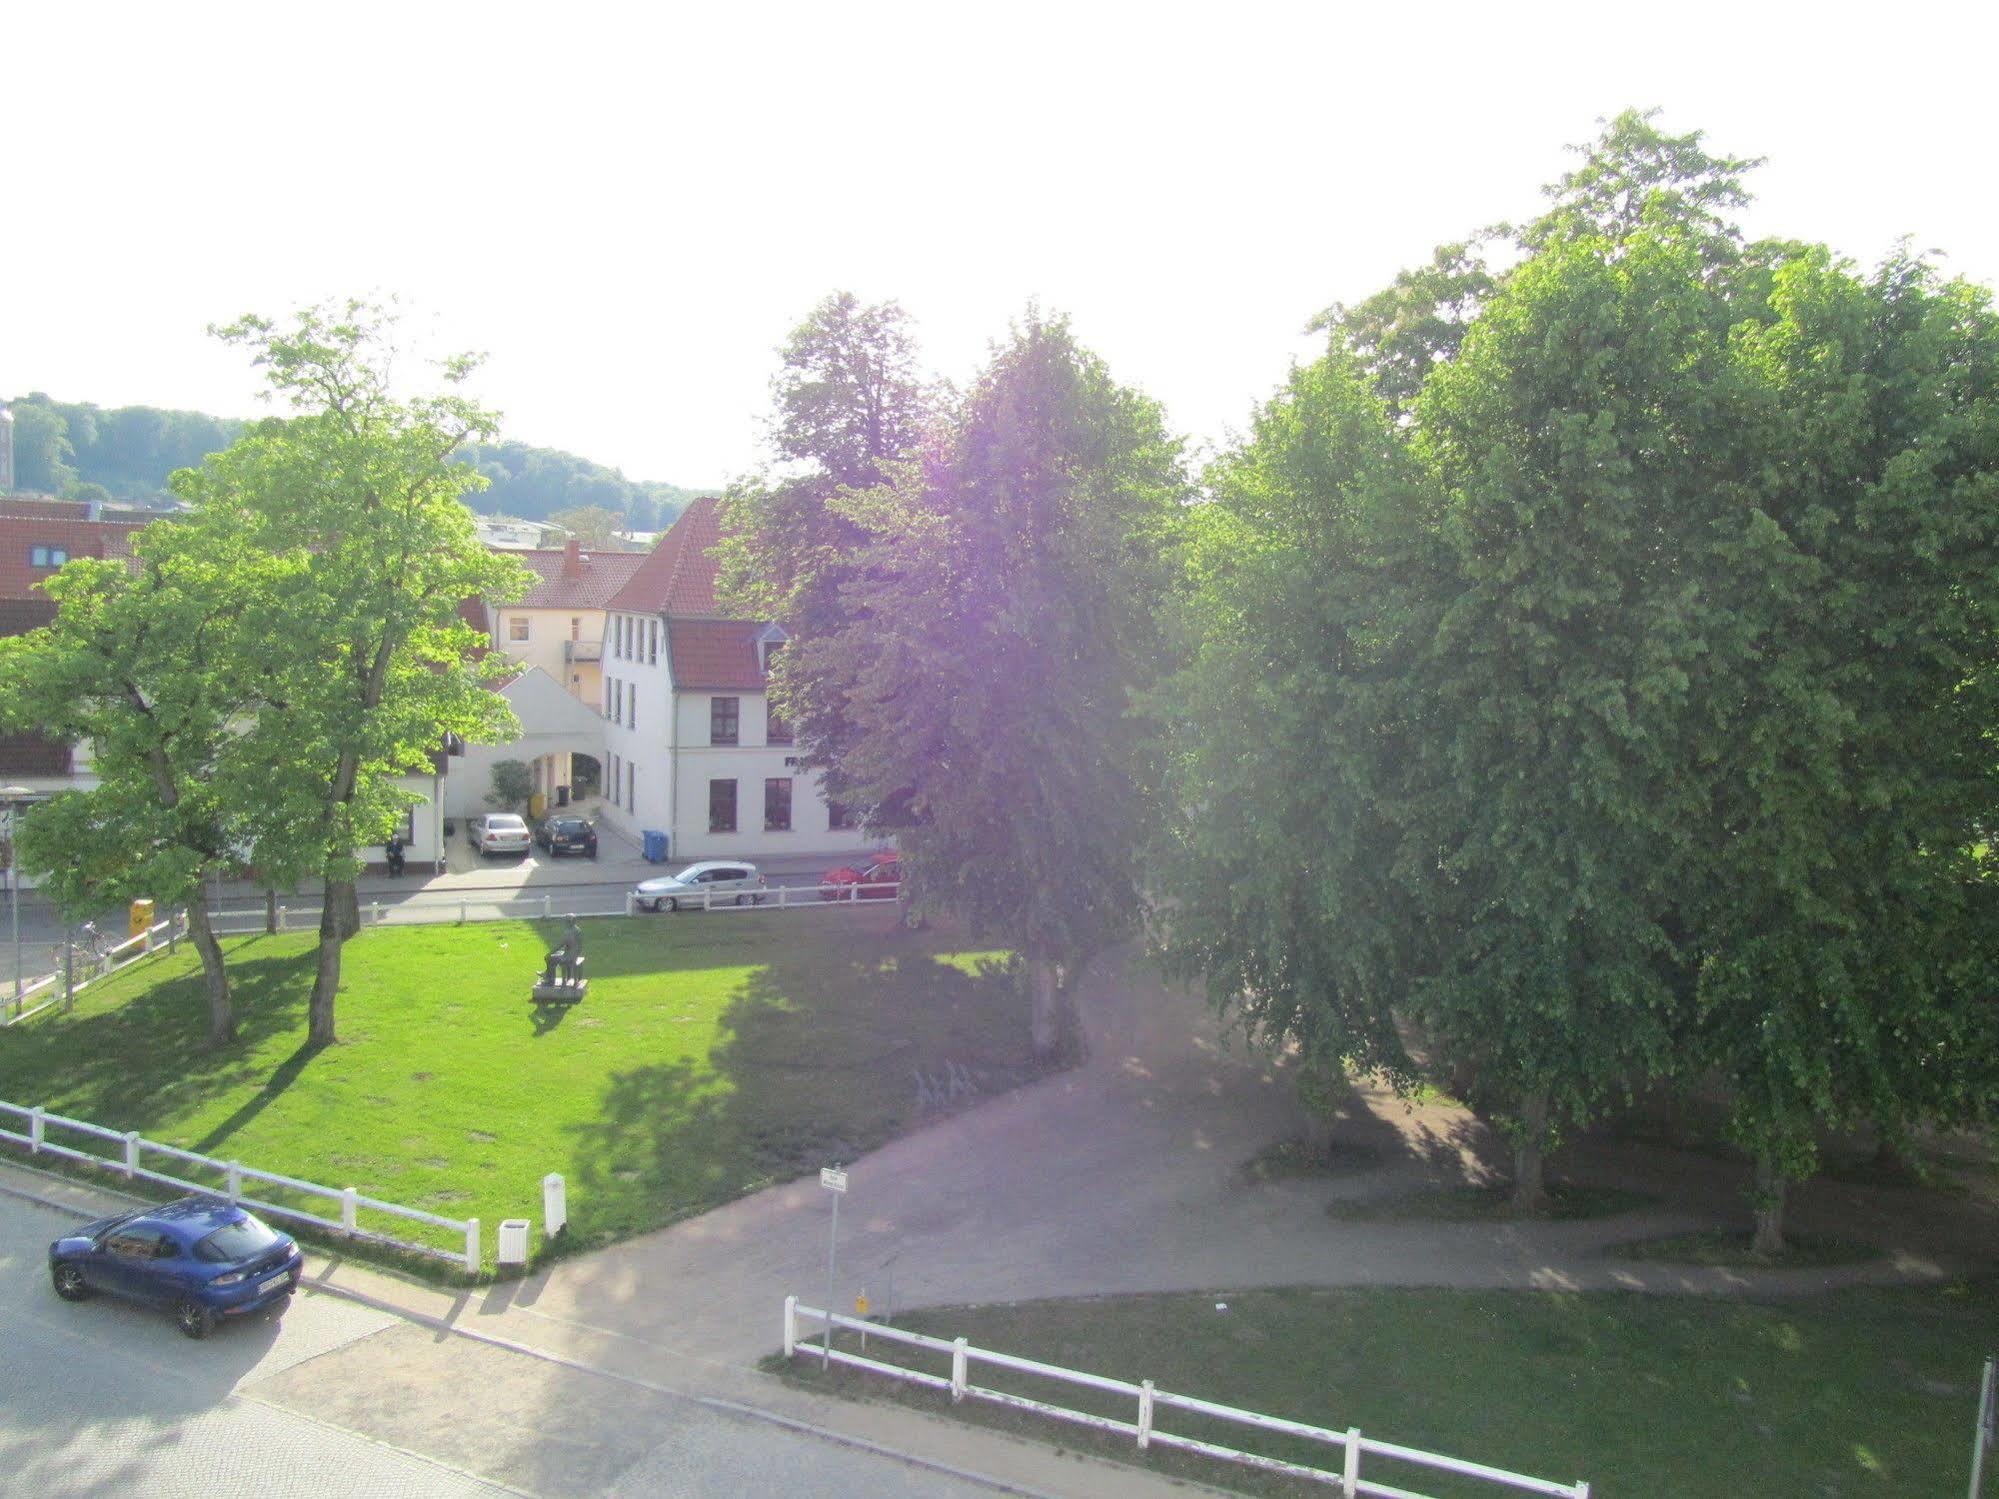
776	730
721	806
575	628
838	817
632	707
723	713
47	556
517	627
652	644
617	702
631	787
777	805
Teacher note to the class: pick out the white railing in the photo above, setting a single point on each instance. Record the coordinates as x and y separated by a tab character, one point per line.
50	989
1147	1401
443	907
130	1163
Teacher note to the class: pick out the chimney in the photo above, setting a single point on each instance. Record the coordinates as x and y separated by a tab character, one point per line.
572	558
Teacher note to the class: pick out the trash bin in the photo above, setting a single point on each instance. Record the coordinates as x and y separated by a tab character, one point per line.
655	846
562	796
142	916
513	1241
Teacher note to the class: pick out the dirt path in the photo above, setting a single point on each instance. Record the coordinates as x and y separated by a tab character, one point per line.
1125	1175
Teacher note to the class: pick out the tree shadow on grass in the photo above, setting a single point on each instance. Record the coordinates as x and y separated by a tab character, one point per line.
147	1059
819	1059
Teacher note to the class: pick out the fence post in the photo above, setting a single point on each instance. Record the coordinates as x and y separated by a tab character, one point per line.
547	907
131	1152
631	903
349	1209
377	907
958	1362
37	1122
554	1204
68	979
1144	1415
173	932
235	1176
1350	1478
463	909
281	918
471	1246
790	1325
1582	1490
1982	1438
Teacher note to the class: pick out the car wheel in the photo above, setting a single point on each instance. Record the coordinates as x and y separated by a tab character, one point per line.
193	1319
743	900
670	903
70	1284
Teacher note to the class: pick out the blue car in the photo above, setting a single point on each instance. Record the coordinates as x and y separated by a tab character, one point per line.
205	1258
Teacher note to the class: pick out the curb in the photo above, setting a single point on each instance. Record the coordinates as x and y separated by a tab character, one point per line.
494	1340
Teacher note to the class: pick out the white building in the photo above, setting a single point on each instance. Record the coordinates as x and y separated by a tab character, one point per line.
691	748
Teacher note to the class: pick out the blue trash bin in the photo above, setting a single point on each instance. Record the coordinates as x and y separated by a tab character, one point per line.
655	848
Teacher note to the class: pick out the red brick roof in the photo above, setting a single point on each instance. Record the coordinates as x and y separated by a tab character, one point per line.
79	538
586	583
714	655
677	577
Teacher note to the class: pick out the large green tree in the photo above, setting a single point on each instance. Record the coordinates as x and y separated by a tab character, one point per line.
144	668
362	664
995	626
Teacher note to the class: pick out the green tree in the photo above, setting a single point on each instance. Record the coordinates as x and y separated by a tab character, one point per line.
996	625
144	668
513	784
362	663
43	453
592	525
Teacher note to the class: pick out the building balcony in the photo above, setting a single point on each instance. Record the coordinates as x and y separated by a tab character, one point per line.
582	650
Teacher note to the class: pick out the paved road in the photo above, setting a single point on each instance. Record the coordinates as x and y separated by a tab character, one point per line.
106	1398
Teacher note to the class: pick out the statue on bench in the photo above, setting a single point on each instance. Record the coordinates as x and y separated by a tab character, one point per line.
562	980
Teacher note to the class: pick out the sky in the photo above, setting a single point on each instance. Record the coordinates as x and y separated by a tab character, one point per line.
628	208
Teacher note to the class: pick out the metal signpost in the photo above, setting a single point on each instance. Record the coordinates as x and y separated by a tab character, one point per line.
1988	1426
834	1180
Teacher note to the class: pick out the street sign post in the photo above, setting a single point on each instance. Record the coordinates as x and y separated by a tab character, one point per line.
834	1180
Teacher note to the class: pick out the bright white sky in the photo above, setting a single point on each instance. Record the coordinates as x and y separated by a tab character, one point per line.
629	207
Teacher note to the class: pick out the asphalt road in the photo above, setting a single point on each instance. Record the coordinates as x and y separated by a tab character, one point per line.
106	1398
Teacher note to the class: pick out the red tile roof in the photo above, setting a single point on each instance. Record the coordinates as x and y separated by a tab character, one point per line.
586	582
79	538
714	655
677	577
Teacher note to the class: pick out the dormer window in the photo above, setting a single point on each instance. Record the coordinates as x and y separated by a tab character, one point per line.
769	643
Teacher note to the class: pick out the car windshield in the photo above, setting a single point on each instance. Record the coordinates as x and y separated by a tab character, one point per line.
571	825
505	824
235	1241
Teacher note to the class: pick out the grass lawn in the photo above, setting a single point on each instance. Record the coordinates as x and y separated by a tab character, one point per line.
714	1055
1861	1392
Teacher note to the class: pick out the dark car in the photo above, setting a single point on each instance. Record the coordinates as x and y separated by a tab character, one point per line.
880	880
206	1259
567	835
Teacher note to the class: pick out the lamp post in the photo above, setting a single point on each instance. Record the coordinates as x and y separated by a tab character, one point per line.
14	798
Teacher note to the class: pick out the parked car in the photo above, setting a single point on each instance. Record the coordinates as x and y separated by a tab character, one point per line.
568	834
881	880
499	833
715	881
207	1259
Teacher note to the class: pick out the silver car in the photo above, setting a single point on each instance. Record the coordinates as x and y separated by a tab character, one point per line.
499	833
713	882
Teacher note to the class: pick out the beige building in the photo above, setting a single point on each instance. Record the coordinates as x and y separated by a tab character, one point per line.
559	625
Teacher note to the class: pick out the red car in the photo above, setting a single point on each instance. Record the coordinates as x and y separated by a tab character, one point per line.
881	880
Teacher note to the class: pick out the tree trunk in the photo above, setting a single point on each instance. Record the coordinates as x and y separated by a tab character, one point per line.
270	908
1530	1183
1770	1185
326	977
1045	988
346	900
221	1017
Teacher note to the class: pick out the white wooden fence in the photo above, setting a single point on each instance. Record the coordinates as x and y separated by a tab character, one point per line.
50	990
1148	1400
130	1163
433	907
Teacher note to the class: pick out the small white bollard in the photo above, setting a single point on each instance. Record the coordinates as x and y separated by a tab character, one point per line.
471	1246
547	907
281	918
350	1209
554	1204
1350	1477
464	909
631	903
37	1123
376	907
790	1326
131	1152
235	1176
959	1360
1144	1415
511	1248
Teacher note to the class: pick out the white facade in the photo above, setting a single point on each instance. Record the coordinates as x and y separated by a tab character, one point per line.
554	726
661	759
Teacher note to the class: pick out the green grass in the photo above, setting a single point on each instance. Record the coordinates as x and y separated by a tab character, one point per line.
1858	1393
1731	1250
714	1056
1469	1204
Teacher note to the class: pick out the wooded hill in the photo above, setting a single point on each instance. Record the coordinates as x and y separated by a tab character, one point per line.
82	451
